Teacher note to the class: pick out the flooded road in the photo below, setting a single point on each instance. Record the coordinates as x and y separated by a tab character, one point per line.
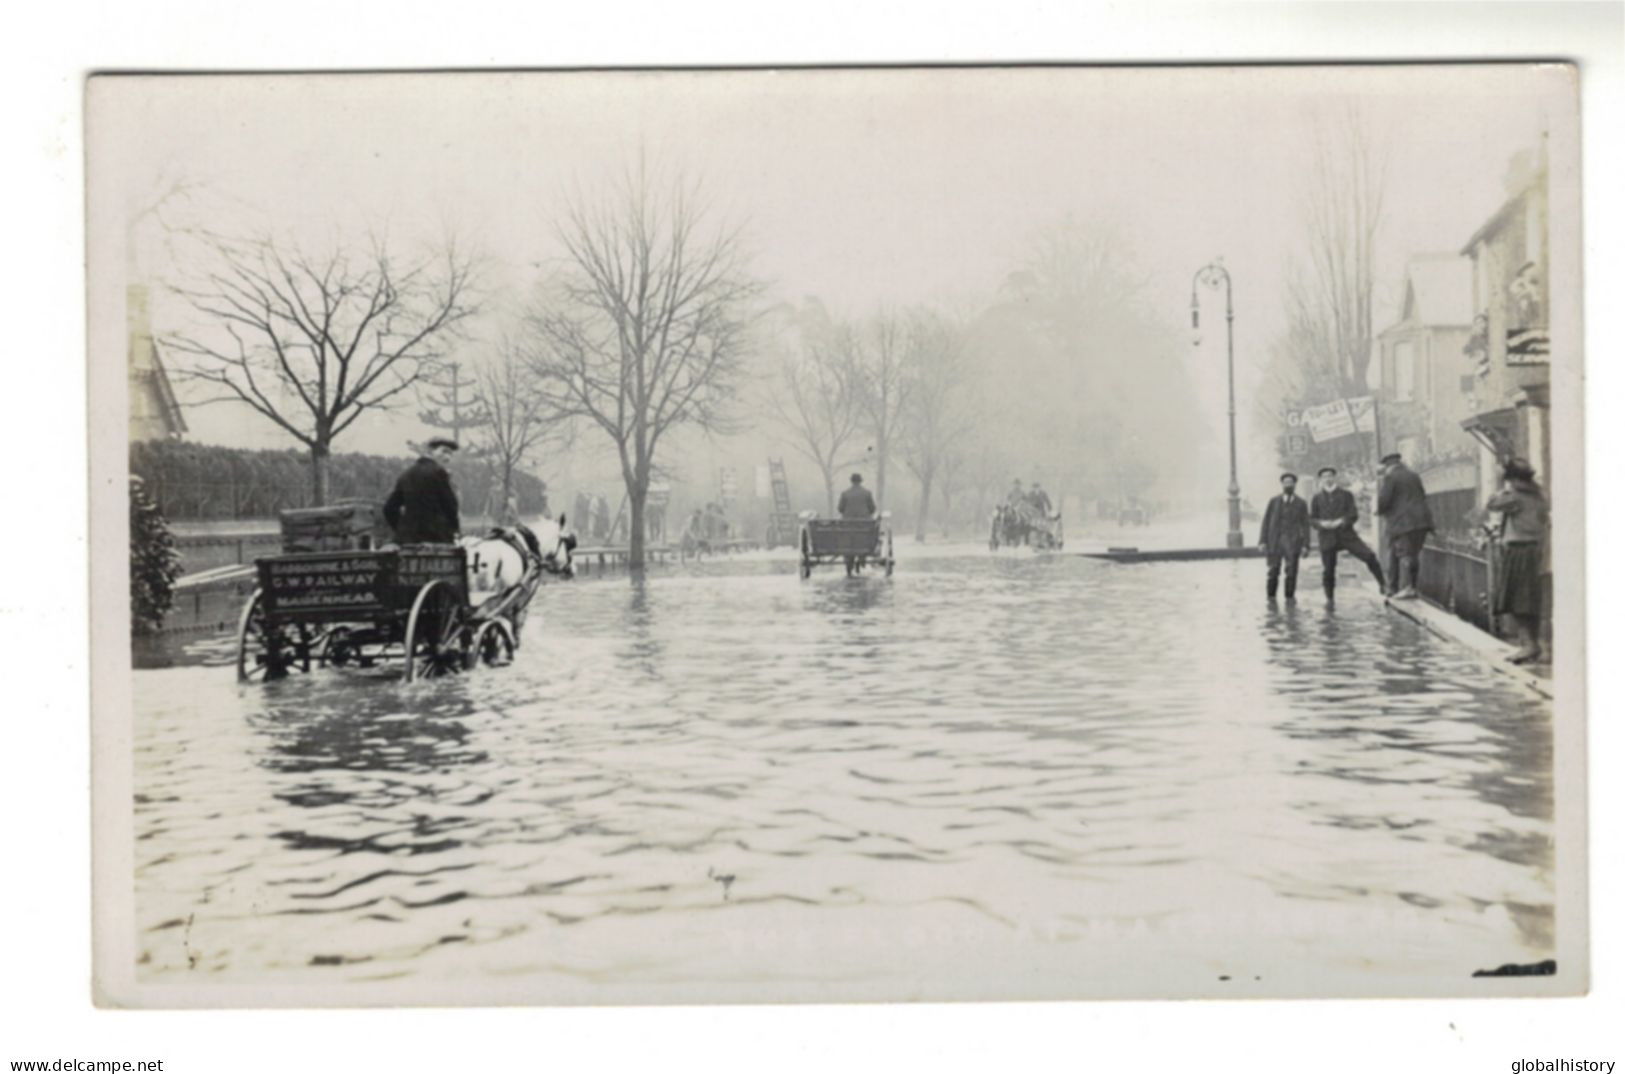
991	776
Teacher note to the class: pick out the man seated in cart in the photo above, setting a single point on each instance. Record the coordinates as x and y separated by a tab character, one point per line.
1039	500
423	507
856	504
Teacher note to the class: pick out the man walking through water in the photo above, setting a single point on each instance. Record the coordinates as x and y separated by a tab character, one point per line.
1284	536
856	504
423	507
1403	504
1333	515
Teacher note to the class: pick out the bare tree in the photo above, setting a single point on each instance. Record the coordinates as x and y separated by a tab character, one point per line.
816	397
645	329
1303	366
882	379
513	423
312	342
934	421
1343	214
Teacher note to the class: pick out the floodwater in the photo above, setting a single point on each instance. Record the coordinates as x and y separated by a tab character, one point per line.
991	776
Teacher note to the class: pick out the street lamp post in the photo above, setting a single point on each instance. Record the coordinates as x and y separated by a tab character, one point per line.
1211	275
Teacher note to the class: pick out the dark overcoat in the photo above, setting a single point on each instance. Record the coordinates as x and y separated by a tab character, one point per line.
856	502
423	507
1286	525
1403	503
1337	504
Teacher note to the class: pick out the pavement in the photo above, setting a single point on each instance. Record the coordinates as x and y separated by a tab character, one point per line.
1490	649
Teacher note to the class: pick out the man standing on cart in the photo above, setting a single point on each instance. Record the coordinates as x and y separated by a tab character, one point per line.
423	507
857	504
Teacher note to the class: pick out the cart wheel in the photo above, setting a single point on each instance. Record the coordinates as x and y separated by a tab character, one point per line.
339	649
493	646
436	637
265	654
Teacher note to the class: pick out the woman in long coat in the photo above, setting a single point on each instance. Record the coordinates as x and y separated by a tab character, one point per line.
1524	517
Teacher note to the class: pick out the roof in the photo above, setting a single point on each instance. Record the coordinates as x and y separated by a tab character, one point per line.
1438	294
1439	290
1515	201
169	405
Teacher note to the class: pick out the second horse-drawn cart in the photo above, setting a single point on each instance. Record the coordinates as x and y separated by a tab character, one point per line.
856	542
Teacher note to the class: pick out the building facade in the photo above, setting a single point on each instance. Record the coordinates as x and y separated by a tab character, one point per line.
1509	403
1425	390
1479	396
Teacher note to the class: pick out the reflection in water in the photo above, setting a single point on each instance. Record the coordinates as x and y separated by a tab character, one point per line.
643	651
682	775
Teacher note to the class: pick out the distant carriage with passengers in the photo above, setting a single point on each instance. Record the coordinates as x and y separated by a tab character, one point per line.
337	597
1014	526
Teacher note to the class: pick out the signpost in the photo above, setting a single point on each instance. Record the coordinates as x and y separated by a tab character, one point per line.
1328	421
1363	409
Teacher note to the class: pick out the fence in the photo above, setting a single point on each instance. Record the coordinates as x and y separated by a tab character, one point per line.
1457	577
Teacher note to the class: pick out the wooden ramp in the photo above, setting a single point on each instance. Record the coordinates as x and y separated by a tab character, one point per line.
1175	555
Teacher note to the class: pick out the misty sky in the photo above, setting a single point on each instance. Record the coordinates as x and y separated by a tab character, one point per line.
860	187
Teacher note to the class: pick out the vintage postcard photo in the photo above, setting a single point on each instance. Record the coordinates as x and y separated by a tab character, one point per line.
837	535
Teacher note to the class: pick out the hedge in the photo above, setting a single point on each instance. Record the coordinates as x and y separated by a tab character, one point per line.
205	481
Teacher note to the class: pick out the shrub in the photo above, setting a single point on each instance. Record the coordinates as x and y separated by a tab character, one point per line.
154	563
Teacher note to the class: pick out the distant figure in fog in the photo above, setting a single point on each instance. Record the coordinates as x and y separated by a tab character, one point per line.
695	542
1403	504
856	502
1333	514
1284	536
1524	516
423	508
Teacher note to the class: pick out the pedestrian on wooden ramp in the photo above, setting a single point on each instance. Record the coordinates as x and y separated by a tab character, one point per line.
1284	536
1403	504
1333	514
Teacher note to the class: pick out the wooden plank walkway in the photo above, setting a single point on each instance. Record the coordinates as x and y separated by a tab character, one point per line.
1135	555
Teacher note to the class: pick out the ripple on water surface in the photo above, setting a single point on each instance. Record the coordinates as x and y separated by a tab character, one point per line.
726	774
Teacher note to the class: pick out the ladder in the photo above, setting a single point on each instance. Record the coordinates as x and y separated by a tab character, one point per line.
782	527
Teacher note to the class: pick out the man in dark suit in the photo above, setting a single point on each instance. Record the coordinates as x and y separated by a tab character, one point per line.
1333	514
856	501
1403	504
423	507
1284	536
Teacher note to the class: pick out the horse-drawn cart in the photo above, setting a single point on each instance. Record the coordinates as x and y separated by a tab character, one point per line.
434	608
856	542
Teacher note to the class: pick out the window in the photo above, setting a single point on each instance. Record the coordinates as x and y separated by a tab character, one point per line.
1404	371
1423	374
